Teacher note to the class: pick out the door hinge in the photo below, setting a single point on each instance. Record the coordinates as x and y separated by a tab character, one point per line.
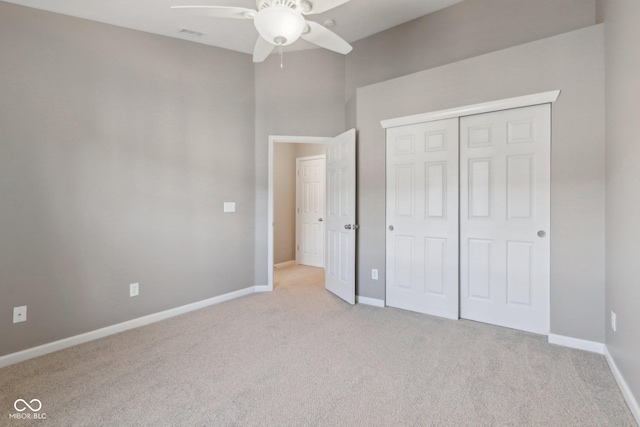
298	247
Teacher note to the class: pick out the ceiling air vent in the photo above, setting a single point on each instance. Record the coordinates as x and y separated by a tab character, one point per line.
191	33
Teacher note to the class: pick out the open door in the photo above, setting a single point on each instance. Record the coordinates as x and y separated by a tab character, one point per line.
340	269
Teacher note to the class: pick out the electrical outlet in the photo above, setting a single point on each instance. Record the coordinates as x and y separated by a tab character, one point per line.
20	314
134	289
614	321
374	273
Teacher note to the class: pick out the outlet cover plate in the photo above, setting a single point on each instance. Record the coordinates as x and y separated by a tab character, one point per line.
134	289
20	314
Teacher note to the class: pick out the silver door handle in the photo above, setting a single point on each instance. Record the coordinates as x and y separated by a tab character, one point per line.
347	227
391	228
356	226
320	219
541	233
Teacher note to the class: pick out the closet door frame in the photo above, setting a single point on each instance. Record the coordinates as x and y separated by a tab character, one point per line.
459	112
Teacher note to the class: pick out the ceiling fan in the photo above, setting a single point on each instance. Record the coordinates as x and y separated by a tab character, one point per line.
280	23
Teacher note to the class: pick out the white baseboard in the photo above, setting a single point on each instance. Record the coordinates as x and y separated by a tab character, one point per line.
624	388
263	289
577	343
369	301
40	350
285	264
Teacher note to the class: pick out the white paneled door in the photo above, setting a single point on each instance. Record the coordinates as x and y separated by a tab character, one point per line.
505	218
422	218
310	210
340	273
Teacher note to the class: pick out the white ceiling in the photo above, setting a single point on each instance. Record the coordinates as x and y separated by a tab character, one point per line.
355	20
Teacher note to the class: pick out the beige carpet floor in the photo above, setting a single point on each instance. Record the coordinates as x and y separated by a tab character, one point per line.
301	357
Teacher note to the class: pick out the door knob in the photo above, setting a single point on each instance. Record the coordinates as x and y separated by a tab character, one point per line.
541	233
320	219
347	227
391	228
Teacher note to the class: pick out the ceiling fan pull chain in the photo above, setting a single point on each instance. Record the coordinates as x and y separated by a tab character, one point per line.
281	60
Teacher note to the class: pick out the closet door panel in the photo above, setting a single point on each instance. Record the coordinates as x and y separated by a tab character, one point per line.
422	218
505	218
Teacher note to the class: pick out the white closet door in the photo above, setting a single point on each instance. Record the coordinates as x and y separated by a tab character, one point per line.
505	218
422	218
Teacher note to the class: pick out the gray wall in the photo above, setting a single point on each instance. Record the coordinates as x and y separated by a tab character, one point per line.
600	11
623	185
284	203
572	62
130	188
465	30
117	151
284	196
305	98
307	150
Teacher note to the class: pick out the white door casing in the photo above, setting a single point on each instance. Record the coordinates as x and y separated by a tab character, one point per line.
340	273
422	218
310	210
505	218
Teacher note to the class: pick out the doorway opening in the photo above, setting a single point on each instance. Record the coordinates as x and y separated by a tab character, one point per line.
285	231
340	213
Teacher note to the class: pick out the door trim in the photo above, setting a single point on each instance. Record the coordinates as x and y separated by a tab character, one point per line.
274	139
324	214
469	110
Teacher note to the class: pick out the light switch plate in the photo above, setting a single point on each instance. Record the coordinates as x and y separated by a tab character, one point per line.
20	314
229	206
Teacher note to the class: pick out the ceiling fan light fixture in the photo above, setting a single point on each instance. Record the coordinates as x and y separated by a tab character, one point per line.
279	22
305	6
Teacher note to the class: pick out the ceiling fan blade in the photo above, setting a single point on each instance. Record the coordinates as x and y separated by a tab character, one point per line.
325	38
319	6
262	50
217	11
